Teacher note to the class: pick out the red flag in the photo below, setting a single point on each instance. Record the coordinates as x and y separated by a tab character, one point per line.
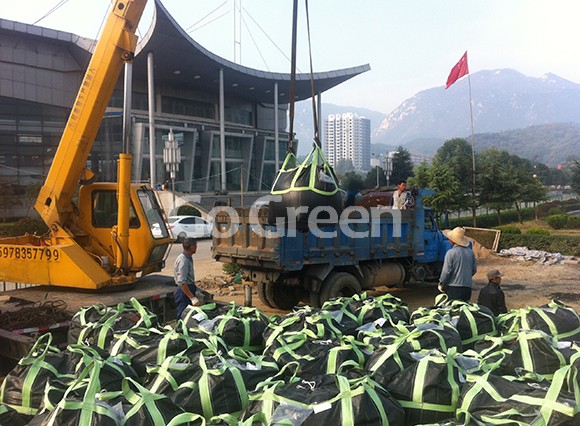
459	70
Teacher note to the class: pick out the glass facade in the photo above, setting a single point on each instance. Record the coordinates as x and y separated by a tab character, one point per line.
29	135
189	107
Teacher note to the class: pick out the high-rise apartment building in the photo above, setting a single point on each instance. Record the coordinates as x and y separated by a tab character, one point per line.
348	137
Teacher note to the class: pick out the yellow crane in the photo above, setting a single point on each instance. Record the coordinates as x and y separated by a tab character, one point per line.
116	231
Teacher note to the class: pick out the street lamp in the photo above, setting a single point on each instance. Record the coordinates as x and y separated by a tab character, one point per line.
378	161
388	169
172	158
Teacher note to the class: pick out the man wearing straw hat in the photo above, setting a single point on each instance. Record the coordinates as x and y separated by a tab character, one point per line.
459	266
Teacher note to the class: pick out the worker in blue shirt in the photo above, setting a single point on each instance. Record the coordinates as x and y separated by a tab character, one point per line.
185	293
459	266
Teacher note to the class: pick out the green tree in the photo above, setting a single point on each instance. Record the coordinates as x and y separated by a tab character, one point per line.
370	180
527	188
343	166
10	195
402	166
421	177
457	154
496	181
575	176
352	181
448	195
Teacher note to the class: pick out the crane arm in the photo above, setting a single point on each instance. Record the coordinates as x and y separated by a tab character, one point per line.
115	47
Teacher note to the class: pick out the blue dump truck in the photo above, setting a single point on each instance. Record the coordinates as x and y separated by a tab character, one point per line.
367	247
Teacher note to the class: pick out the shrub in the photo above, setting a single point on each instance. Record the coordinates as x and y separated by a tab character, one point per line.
23	226
565	205
536	230
231	268
187	210
556	210
558	221
564	244
573	222
508	229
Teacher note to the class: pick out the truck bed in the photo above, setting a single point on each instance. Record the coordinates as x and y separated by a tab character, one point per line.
153	291
270	252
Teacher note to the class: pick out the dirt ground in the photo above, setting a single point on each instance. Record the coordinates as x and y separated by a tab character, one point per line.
525	283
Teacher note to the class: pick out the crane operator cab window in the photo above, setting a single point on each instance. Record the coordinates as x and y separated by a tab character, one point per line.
105	210
153	213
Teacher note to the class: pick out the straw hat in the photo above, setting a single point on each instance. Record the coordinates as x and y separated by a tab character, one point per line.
457	235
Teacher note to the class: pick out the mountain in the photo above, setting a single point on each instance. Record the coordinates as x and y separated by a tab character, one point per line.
502	100
304	122
535	118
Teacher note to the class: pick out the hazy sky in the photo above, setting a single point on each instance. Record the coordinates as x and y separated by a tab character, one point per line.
411	45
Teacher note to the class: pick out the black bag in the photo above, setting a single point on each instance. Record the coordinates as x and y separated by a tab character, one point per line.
141	346
146	408
83	403
361	309
96	325
215	388
319	324
11	417
555	319
429	389
310	184
23	388
394	351
490	399
536	352
473	322
311	356
324	400
241	327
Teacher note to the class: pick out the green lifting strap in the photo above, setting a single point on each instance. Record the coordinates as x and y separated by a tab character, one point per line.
165	371
313	164
143	397
204	385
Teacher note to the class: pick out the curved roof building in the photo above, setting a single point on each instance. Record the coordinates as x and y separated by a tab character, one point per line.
228	122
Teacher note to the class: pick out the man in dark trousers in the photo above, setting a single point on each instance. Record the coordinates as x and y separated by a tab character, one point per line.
459	266
185	293
491	296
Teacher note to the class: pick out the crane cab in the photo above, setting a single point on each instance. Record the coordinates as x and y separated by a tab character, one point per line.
149	238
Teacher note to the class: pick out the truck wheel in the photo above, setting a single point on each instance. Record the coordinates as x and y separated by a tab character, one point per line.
282	297
339	284
262	295
181	237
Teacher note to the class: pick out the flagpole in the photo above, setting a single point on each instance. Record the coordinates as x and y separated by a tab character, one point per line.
474	207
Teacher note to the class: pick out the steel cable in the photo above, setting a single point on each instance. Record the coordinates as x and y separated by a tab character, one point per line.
39	314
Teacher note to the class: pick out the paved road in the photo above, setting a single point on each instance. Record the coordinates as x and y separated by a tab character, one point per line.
205	266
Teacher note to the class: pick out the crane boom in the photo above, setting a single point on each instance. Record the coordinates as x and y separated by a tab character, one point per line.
115	232
115	46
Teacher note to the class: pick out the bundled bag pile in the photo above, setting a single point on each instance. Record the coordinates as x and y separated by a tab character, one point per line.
360	360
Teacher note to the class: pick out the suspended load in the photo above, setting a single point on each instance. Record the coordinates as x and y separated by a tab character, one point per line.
307	186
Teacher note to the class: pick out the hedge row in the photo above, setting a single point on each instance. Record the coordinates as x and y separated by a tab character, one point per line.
558	207
567	245
24	226
564	221
490	220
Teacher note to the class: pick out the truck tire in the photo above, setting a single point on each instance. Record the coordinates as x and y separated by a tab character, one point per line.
339	284
283	297
262	295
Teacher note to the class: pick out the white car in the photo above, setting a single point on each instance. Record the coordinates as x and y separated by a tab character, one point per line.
189	226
